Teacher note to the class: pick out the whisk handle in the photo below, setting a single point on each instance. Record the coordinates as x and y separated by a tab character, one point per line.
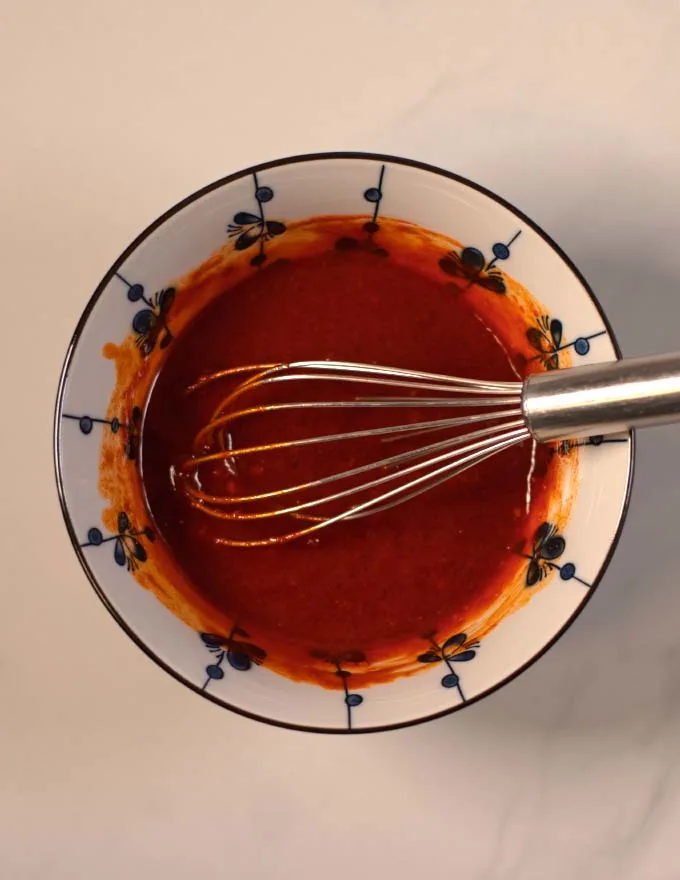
605	398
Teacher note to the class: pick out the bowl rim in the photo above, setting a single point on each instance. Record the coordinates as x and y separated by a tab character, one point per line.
82	323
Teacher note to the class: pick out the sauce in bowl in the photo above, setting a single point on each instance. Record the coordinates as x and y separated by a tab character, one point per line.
369	593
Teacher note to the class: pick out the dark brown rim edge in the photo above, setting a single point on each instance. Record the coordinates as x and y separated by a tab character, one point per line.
276	163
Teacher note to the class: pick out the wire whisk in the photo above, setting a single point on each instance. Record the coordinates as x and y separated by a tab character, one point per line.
380	435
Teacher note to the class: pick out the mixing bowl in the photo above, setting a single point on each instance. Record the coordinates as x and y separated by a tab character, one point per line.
140	309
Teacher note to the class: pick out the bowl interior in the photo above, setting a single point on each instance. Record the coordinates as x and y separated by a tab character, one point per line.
576	331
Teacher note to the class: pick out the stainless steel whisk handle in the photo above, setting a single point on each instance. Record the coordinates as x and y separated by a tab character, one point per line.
608	398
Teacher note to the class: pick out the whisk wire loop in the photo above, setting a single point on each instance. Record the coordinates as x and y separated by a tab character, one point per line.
376	485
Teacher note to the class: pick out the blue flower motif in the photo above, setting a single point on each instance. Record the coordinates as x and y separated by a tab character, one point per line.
456	649
547	339
373	196
470	265
131	428
128	550
150	323
566	447
548	546
238	654
339	661
248	229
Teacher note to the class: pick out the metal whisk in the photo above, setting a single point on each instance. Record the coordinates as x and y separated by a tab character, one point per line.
470	421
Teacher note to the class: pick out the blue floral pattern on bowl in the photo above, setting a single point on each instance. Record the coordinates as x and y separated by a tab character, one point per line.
470	264
248	229
128	548
456	649
549	546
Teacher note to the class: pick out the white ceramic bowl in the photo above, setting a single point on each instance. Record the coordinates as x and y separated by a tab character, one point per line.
337	183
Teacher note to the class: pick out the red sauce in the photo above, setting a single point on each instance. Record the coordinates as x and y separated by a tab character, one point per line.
373	588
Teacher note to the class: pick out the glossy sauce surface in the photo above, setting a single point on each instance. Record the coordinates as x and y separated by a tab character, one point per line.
372	587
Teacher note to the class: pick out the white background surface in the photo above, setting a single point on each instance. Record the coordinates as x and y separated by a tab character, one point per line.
111	112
